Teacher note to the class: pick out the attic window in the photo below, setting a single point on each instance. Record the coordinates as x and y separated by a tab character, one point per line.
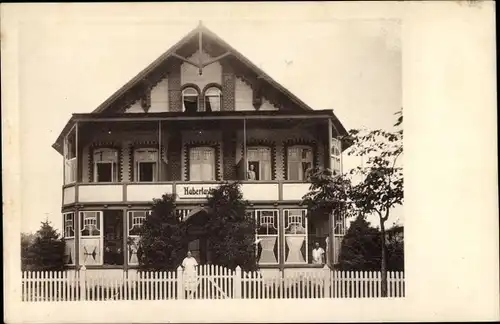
190	99
213	99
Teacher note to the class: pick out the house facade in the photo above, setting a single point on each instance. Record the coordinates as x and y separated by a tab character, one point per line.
199	115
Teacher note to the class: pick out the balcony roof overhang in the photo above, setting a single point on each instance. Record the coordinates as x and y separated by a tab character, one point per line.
201	117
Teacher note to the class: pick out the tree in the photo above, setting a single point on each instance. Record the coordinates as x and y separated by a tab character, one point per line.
232	232
162	238
26	240
46	252
360	250
382	186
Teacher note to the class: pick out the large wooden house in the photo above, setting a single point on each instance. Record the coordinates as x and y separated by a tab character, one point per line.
200	114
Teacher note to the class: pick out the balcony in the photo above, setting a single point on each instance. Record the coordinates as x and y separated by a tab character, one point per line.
188	192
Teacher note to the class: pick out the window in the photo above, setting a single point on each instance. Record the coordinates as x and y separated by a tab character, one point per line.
335	155
296	249
113	237
146	167
259	163
202	164
190	99
213	99
69	238
106	165
91	239
69	225
300	162
266	237
90	223
70	158
135	220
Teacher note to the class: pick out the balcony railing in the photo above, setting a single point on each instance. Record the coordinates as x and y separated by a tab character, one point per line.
135	192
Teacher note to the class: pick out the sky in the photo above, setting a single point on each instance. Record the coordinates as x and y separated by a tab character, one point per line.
73	57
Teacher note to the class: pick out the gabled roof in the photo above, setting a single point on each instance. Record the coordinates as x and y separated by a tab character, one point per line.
171	51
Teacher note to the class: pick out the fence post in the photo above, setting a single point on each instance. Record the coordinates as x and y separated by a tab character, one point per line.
83	282
327	283
180	284
237	283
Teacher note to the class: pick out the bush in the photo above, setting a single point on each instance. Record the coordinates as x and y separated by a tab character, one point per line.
163	237
231	231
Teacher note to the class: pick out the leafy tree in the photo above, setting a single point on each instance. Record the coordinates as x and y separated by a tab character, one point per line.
163	237
26	241
46	251
232	232
360	248
382	186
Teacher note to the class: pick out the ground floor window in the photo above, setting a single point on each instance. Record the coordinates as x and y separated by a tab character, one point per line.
267	236
135	220
69	238
295	224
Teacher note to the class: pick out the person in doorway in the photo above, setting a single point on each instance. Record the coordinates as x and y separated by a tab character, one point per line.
189	265
251	172
318	254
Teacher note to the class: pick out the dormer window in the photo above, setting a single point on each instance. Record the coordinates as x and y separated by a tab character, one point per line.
213	99
190	99
106	165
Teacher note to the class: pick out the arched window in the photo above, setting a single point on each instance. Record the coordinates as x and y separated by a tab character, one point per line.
202	164
213	99
106	165
146	164
190	99
300	162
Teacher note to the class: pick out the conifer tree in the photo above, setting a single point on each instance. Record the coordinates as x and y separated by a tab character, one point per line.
46	253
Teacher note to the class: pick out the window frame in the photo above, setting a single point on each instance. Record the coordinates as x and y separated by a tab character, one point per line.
114	164
135	237
81	214
137	163
287	223
202	148
301	147
65	226
276	215
207	95
257	147
183	95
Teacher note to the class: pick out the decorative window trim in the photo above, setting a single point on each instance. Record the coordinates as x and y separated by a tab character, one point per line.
299	142
217	149
286	223
256	213
263	143
81	214
104	145
130	226
199	99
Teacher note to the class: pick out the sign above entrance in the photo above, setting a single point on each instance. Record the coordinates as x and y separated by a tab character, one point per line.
194	191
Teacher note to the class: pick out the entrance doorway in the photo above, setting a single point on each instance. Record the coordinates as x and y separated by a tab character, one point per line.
200	250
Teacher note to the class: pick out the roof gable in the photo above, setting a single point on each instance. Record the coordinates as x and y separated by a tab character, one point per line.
200	38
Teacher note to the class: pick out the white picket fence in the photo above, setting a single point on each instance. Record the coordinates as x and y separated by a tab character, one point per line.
210	282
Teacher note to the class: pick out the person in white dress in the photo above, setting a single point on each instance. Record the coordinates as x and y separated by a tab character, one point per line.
189	265
317	254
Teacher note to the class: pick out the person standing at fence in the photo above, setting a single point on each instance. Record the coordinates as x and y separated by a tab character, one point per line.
318	254
189	265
